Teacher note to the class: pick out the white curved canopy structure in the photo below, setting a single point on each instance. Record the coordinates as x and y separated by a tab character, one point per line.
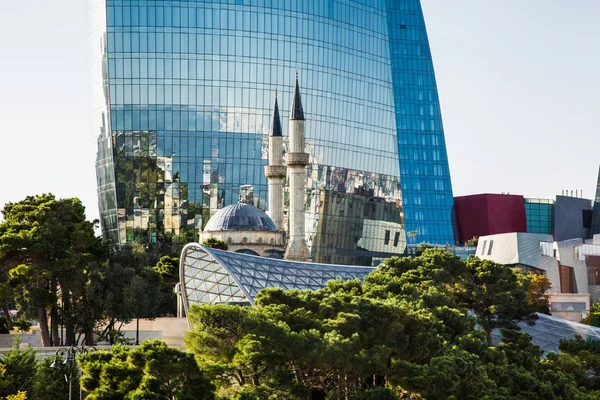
548	331
215	276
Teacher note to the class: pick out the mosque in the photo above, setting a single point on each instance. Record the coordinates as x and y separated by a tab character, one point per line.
247	229
262	252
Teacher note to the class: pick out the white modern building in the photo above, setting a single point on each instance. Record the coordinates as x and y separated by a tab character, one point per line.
572	266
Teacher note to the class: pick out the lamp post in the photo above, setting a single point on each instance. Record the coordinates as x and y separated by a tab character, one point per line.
69	354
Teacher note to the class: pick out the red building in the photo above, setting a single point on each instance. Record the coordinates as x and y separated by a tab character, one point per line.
488	214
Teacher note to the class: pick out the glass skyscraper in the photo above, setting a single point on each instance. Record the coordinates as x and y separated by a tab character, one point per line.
183	92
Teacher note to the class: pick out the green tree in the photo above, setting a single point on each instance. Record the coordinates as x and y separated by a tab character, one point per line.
151	371
407	332
379	393
122	289
23	325
215	244
46	244
296	343
579	358
214	340
536	286
472	242
168	269
7	295
430	281
493	293
50	382
19	369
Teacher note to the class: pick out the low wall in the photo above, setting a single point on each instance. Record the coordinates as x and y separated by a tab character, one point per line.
29	339
48	352
169	330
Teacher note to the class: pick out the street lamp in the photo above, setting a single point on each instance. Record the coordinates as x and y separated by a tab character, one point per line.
69	354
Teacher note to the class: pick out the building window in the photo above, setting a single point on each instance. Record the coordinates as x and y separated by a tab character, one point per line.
387	238
396	238
586	216
490	248
567	306
483	250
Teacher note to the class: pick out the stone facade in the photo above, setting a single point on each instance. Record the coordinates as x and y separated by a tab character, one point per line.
261	242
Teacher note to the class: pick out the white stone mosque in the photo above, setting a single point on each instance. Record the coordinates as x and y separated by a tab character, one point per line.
262	252
247	229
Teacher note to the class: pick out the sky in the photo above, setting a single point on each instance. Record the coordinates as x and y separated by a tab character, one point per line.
518	82
519	88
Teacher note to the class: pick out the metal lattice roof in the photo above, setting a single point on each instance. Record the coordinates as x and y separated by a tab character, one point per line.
548	331
216	276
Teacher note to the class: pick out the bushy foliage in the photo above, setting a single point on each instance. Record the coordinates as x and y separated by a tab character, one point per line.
215	244
50	382
151	371
23	325
18	370
46	248
414	329
18	396
122	289
49	252
168	269
593	317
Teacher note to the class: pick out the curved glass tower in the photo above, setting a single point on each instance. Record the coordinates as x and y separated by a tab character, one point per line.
184	92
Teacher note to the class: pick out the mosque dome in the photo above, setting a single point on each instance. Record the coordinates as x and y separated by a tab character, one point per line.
240	217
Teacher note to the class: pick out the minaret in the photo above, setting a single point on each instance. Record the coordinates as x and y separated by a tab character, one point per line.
275	171
297	160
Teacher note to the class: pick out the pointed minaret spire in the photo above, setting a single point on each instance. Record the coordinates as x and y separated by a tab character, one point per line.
297	112
275	120
297	160
276	171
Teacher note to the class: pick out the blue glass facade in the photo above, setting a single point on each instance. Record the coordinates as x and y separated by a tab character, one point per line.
426	188
540	215
183	106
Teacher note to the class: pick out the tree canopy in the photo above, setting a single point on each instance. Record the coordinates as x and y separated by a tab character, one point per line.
151	371
46	247
54	269
416	328
215	243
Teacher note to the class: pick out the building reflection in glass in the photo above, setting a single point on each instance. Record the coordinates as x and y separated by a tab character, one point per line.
182	96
